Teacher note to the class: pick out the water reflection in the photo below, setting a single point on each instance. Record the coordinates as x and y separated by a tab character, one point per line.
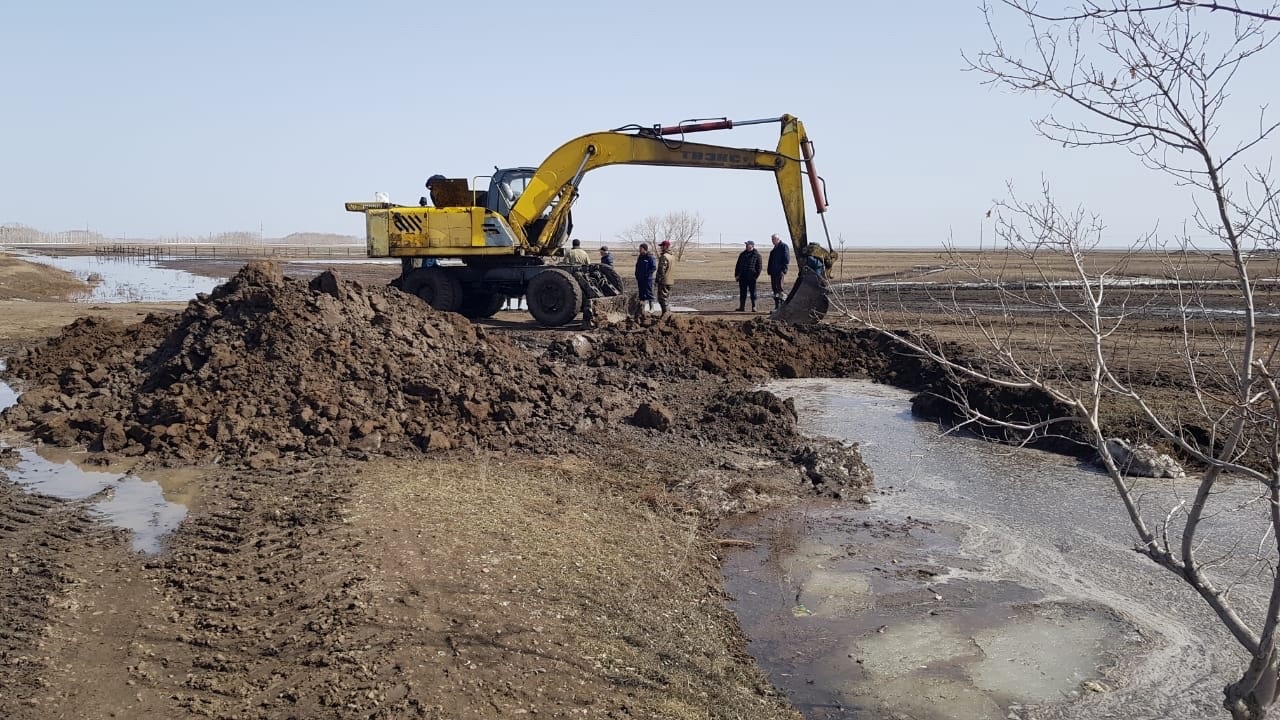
8	397
123	500
119	280
126	500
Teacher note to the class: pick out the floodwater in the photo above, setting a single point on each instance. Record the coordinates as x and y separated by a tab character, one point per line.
149	508
120	280
7	394
978	583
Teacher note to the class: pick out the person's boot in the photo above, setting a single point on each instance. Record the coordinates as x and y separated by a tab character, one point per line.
753	307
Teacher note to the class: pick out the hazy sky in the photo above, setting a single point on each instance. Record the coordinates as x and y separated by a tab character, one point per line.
148	119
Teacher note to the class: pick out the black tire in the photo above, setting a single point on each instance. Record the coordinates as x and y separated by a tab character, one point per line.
554	297
440	289
477	305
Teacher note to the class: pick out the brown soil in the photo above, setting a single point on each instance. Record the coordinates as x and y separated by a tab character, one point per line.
401	514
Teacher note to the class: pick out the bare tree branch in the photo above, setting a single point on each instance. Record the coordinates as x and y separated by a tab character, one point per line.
1094	11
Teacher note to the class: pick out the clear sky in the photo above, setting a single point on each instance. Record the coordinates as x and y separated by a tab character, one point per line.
148	118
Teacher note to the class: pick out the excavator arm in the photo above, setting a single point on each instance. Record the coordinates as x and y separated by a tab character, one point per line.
555	183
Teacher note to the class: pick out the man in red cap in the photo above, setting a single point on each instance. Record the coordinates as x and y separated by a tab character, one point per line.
666	275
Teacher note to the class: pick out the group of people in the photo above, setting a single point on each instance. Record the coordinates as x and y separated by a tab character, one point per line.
747	271
659	272
656	275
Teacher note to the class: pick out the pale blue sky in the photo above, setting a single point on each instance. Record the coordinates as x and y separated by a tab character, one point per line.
170	118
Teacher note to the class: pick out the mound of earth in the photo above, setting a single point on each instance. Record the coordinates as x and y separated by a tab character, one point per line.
267	366
678	346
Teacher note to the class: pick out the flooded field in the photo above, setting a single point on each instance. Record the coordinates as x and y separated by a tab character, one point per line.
121	280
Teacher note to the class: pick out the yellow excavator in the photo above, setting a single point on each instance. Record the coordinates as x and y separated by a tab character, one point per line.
472	249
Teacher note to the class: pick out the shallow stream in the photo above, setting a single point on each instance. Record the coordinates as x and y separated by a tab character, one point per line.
977	584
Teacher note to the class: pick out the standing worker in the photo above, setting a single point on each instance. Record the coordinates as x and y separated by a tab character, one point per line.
606	257
779	263
666	276
746	272
577	255
646	266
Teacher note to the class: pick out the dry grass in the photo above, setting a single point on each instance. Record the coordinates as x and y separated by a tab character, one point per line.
932	265
21	280
579	588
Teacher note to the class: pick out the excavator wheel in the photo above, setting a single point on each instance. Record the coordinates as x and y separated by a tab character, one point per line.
440	289
477	305
554	297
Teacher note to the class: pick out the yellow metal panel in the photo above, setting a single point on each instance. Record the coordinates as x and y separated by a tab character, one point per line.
477	227
425	232
376	224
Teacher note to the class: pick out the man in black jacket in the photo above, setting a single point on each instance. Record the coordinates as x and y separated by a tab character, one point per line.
779	263
746	272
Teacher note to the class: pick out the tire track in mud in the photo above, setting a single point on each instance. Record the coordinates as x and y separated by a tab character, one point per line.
40	534
267	599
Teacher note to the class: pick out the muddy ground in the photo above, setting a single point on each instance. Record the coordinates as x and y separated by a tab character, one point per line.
402	514
398	513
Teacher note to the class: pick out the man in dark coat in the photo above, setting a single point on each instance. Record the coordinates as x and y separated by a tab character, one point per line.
646	267
779	263
746	272
606	257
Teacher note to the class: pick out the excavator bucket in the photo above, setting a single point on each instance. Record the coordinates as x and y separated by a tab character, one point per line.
808	302
612	309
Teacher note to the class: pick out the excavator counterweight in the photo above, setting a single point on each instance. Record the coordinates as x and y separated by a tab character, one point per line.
470	248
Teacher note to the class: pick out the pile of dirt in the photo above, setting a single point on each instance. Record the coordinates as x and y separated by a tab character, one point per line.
677	346
269	369
268	366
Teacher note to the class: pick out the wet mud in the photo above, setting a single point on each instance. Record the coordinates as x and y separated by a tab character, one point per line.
317	575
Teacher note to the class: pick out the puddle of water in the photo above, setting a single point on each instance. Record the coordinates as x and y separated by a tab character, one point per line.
119	280
979	584
8	396
149	508
124	500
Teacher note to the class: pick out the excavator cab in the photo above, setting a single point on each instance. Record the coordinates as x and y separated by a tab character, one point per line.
506	187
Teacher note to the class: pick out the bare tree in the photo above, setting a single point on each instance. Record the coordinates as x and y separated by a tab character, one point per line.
1095	10
1153	80
681	227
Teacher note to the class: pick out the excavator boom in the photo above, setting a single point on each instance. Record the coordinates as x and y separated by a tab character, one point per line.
557	179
